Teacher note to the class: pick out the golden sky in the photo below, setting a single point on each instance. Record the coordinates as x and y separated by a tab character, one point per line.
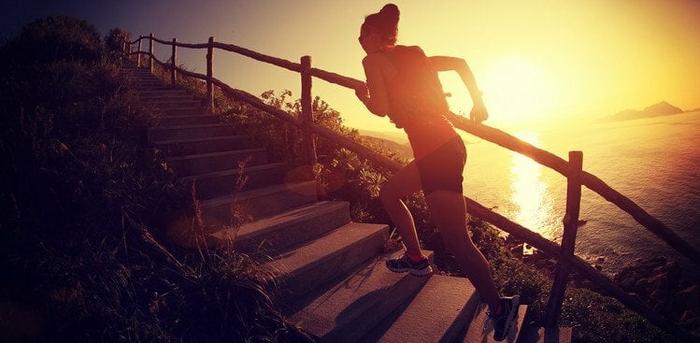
536	60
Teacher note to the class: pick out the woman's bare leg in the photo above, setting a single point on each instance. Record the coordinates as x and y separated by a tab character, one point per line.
448	212
405	182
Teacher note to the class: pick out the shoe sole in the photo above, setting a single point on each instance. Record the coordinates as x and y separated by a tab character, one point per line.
510	320
417	272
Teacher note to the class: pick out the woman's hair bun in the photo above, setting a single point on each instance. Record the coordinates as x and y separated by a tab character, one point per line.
385	23
390	11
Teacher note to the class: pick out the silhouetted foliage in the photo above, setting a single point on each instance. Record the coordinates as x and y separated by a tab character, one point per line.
116	38
53	39
81	192
115	41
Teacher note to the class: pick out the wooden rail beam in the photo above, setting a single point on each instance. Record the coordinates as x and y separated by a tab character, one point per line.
258	56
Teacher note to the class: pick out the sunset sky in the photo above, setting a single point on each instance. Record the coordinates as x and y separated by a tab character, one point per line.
536	61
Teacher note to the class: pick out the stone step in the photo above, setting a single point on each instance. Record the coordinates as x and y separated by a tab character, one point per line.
142	80
440	312
188	120
185	111
560	334
147	80
203	164
261	202
481	329
354	306
327	258
139	75
135	69
163	93
533	334
178	147
149	84
275	234
166	96
157	88
168	133
172	103
222	183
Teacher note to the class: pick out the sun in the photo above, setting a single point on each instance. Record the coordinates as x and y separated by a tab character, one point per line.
517	90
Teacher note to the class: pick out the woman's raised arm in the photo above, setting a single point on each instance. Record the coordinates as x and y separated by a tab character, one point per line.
446	63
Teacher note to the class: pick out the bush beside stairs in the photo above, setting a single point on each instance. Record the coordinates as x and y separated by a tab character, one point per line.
330	270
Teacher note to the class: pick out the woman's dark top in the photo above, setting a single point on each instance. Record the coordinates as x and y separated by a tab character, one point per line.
417	102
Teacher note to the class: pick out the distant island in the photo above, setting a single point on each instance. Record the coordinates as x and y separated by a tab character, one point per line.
660	109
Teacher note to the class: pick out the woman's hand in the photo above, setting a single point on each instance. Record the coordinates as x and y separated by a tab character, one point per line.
479	112
362	93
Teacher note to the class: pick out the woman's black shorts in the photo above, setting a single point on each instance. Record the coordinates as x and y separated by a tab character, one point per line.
442	168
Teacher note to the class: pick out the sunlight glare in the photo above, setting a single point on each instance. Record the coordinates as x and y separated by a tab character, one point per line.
516	90
529	191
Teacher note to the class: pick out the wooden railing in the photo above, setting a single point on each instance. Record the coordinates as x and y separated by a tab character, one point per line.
572	170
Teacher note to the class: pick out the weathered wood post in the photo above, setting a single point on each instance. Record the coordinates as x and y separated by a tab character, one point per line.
306	111
210	90
150	51
173	76
568	242
138	56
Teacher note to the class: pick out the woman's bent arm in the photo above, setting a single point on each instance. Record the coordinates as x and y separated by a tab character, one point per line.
445	63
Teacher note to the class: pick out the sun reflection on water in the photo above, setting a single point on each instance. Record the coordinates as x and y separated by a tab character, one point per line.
529	192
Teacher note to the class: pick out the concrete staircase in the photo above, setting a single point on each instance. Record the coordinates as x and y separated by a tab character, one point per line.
330	270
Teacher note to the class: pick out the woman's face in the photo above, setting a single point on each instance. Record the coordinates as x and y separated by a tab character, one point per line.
369	41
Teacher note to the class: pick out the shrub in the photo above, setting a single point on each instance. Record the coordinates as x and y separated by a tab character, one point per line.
52	39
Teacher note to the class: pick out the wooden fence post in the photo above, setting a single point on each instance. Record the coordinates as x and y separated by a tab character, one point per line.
150	51
173	76
138	56
210	90
568	242
306	111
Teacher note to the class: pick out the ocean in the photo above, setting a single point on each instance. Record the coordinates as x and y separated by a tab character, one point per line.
653	161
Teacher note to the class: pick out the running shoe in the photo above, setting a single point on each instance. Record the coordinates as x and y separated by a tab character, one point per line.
503	322
405	264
